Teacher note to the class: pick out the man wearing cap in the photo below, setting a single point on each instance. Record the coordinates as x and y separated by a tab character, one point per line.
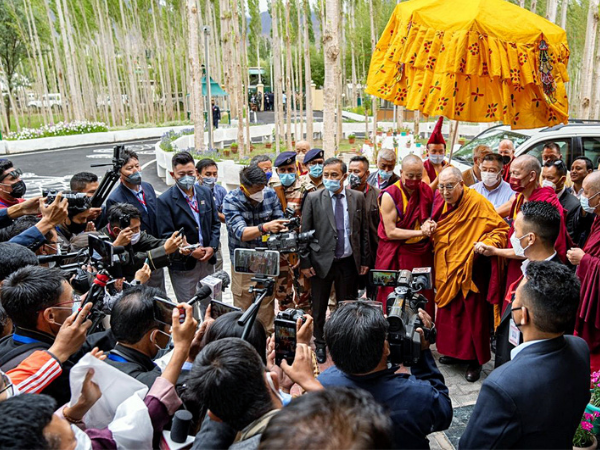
12	188
289	192
313	180
436	154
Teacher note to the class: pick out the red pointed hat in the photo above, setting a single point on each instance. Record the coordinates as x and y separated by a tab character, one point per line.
436	136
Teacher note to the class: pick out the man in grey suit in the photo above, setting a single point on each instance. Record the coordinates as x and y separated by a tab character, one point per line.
339	218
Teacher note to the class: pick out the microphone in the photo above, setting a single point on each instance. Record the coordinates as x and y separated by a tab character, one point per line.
42	259
212	285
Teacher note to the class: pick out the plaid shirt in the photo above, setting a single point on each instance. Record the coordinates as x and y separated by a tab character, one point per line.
240	213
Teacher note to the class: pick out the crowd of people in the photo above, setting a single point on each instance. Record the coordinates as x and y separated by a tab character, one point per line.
513	245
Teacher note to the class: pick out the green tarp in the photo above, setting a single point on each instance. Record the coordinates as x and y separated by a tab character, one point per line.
215	89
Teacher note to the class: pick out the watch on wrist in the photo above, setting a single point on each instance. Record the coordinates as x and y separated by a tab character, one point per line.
261	228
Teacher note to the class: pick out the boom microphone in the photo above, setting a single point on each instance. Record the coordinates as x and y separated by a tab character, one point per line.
217	281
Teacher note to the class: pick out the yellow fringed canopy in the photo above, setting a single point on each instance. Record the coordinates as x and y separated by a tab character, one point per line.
473	61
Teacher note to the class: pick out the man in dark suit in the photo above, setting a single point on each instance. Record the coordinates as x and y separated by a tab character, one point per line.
536	400
191	207
140	194
339	218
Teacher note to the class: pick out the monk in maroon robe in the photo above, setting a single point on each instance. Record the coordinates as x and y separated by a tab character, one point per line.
587	323
405	226
436	154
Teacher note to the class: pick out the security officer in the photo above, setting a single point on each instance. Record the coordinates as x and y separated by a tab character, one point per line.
313	180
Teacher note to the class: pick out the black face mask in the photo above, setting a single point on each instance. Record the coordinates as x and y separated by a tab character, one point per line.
18	189
506	160
77	228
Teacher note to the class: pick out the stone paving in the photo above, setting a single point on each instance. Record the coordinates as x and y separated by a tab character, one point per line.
463	393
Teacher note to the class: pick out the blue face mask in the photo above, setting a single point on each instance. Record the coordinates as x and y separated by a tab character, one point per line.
585	204
287	179
332	185
316	171
385	175
269	174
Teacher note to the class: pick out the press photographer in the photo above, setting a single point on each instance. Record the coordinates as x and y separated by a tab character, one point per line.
124	229
79	218
419	403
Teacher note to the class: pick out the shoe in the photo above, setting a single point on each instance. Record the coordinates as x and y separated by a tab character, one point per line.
449	360
473	372
321	353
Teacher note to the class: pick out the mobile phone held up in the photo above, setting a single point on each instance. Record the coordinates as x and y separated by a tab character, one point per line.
217	309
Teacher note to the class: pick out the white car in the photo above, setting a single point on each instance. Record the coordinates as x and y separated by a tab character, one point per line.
578	138
53	101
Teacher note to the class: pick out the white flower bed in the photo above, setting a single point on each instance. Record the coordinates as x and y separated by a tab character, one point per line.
59	129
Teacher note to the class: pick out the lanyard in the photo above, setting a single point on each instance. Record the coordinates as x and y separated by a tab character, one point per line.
23	339
193	204
143	199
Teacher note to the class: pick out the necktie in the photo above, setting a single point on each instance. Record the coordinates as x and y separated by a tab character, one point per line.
339	225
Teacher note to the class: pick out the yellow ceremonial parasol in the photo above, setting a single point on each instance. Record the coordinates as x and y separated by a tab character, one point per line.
473	61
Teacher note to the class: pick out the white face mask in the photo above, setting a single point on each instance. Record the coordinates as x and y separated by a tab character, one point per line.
516	245
259	196
135	238
83	440
489	178
548	183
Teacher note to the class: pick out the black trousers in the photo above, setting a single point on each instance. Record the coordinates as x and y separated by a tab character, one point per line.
344	276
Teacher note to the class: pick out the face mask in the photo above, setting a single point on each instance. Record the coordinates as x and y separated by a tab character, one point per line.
18	189
516	245
269	174
186	182
272	386
548	183
515	185
436	159
354	181
316	171
77	228
506	160
385	175
153	339
287	179
83	440
585	204
258	196
489	178
135	238
412	184
135	178
332	185
209	182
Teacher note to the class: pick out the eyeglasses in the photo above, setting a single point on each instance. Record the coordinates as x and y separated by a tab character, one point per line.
8	385
14	173
75	305
448	188
512	310
558	163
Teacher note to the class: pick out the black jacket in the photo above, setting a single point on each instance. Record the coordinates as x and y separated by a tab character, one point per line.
175	213
578	225
123	195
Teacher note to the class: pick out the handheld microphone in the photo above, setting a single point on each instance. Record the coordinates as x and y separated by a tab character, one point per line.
211	284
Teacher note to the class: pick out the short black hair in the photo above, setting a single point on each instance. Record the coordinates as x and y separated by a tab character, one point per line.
205	162
362	159
228	378
331	161
4	165
552	146
23	419
330	419
182	158
227	326
551	292
30	290
256	160
495	157
80	180
22	224
251	176
589	165
120	209
543	219
129	154
561	167
13	257
360	327
135	313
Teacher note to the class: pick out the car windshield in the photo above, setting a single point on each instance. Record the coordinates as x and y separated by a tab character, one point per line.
491	138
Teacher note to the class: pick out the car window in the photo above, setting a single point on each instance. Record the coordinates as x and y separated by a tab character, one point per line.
563	143
591	149
491	138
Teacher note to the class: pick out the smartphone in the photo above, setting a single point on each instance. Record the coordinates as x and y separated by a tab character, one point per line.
256	262
285	341
124	221
217	308
385	278
180	232
192	246
169	306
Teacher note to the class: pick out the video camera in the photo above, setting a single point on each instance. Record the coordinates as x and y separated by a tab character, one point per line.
402	309
77	202
291	241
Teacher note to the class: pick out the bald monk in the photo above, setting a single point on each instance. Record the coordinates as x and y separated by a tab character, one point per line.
436	154
302	147
465	222
506	149
524	180
587	323
473	175
405	226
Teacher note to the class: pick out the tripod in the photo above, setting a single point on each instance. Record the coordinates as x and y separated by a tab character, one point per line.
248	318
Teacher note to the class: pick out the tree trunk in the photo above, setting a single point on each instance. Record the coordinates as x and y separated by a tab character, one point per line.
373	44
277	83
551	10
587	60
533	7
237	73
299	70
307	81
196	78
58	67
246	72
563	14
332	53
288	82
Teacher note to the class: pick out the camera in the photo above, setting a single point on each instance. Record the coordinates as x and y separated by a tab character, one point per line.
104	255
403	312
77	202
291	241
292	315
